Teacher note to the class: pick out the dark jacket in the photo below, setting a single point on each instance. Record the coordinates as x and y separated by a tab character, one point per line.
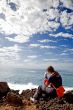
56	79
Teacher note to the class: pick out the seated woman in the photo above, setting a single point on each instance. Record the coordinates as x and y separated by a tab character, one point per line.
52	83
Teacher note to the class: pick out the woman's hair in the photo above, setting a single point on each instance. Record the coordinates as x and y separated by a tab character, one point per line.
50	69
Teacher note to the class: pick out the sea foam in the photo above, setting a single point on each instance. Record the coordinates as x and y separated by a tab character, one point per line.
22	87
30	86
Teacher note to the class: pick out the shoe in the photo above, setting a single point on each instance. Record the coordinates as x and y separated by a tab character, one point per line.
32	99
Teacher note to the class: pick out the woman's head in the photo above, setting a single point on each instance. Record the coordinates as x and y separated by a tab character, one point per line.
50	69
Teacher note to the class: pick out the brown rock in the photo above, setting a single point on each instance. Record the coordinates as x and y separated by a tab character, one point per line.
14	99
69	96
28	93
4	89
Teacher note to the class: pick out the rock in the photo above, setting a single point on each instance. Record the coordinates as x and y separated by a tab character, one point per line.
69	97
14	99
64	103
4	89
15	91
28	93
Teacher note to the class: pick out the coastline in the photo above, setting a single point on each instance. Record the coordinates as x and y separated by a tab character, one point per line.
14	100
30	86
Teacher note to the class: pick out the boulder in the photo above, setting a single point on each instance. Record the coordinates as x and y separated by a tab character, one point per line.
28	93
69	96
14	99
4	89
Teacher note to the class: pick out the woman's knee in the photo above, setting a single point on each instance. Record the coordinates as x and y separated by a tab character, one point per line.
40	88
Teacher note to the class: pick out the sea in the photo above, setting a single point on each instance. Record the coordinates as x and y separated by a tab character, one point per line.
22	79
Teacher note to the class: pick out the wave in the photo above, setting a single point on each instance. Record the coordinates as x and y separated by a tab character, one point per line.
30	86
68	88
22	87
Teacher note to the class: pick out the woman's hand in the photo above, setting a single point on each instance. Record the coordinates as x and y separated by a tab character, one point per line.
46	82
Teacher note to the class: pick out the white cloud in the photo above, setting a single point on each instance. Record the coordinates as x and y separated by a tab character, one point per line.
32	57
61	34
29	17
9	54
71	19
47	60
14	48
27	60
68	50
34	45
47	47
46	41
63	54
19	39
5	27
42	46
66	19
67	3
53	13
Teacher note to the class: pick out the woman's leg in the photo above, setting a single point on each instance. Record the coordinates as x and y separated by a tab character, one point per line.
44	90
39	92
50	92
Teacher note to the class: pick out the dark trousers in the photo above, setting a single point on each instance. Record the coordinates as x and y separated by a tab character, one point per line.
43	90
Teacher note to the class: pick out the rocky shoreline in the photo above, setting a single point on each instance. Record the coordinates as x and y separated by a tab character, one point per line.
12	100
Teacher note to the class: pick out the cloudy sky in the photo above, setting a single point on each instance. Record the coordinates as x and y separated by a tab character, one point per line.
36	33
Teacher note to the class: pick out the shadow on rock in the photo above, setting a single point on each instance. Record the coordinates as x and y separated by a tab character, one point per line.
4	89
69	97
14	99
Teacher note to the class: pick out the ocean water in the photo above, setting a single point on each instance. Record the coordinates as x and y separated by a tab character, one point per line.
27	79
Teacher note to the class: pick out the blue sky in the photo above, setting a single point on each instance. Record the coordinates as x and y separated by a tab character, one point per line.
36	34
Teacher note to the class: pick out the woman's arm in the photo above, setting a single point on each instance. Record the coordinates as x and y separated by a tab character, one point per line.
45	75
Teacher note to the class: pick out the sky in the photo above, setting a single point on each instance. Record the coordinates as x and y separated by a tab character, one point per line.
36	33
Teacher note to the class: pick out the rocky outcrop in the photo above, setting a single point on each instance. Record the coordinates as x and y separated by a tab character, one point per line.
4	89
14	99
26	94
69	97
65	103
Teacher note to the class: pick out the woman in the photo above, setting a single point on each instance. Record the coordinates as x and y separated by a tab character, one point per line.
52	84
